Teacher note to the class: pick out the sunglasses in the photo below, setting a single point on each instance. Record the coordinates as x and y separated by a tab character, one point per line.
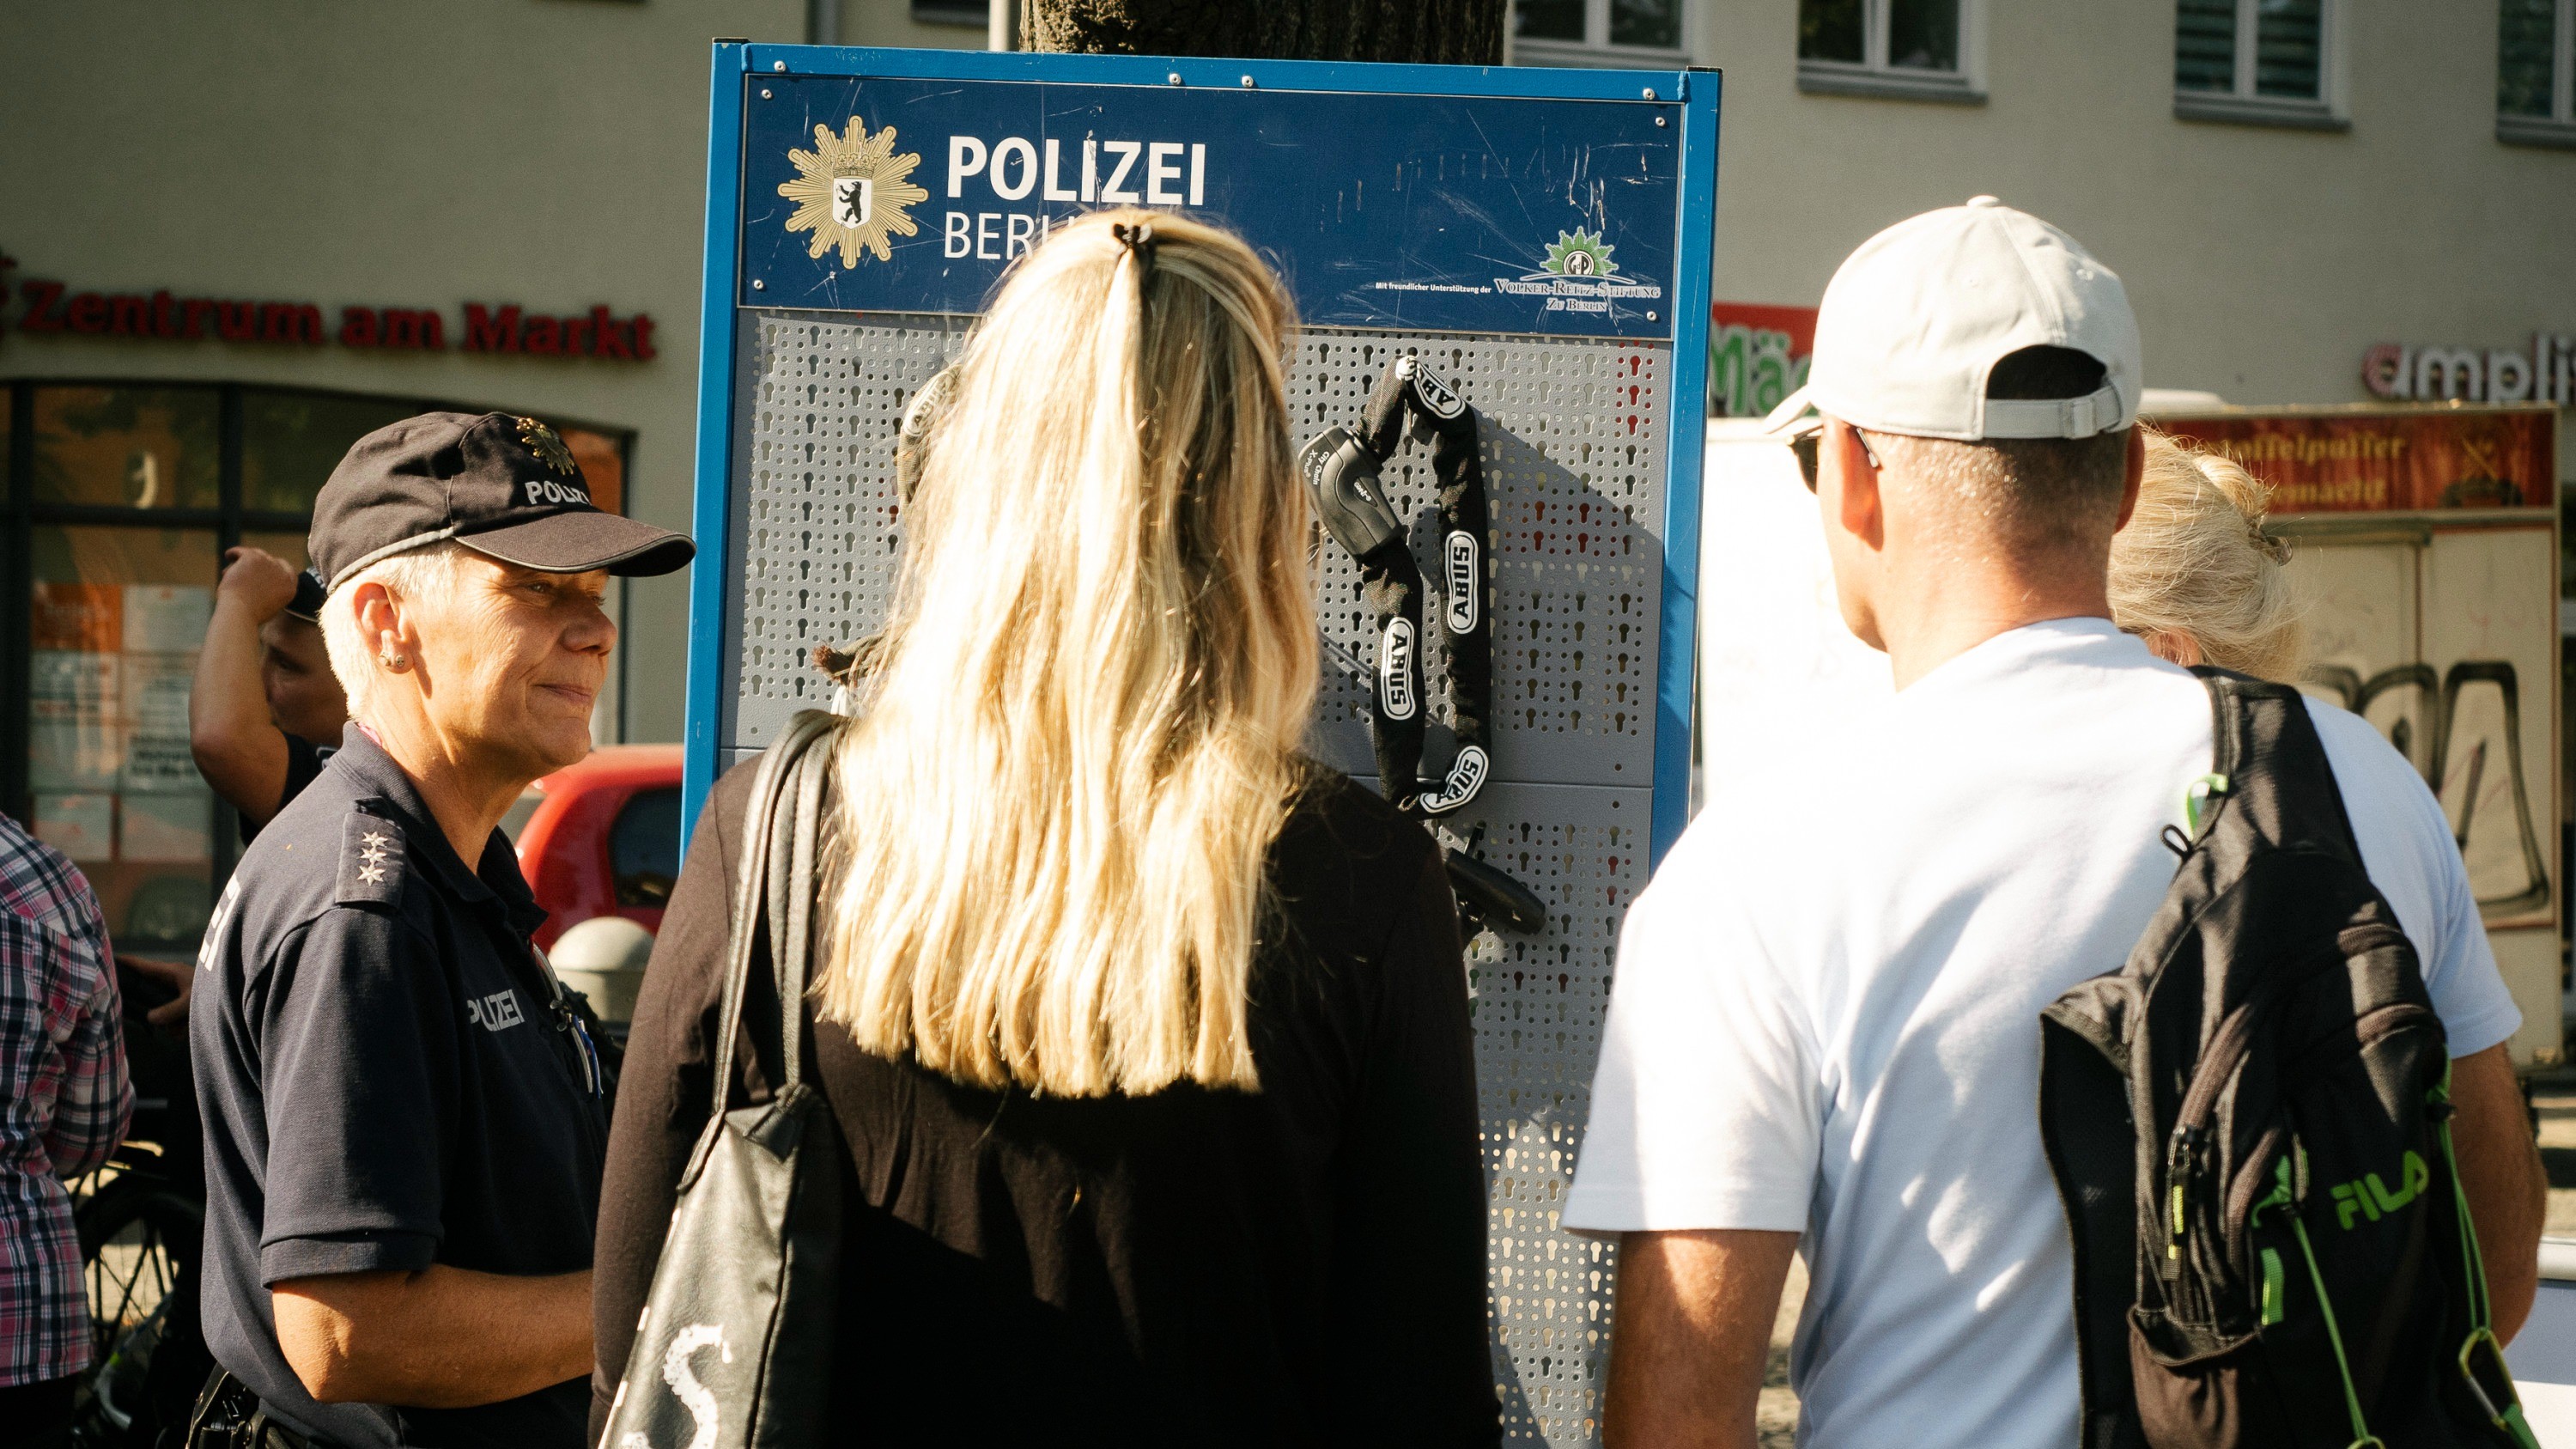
1809	444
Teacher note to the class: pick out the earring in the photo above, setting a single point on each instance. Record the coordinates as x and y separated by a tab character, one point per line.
395	662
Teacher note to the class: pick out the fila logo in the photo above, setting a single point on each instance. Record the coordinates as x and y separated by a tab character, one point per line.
496	1012
1463	592
1395	670
1431	387
2372	1198
541	490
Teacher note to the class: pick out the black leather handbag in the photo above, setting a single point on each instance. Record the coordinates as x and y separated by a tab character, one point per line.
736	1338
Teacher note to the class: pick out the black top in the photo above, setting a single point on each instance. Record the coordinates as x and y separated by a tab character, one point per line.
1304	1265
304	762
386	1084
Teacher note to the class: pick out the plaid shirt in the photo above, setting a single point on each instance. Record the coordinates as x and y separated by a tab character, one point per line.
64	1100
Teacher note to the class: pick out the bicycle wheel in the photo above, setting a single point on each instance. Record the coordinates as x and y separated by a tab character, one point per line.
139	1240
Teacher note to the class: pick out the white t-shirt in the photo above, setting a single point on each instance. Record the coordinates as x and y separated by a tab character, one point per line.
1826	1013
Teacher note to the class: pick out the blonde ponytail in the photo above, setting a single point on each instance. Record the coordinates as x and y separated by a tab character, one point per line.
2194	560
1081	741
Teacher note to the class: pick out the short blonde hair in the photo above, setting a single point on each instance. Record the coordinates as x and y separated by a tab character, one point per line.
2194	560
418	574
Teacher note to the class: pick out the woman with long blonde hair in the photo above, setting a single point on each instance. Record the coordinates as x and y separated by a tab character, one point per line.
1147	1035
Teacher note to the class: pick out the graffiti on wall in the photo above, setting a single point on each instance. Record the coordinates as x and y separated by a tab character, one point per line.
2505	886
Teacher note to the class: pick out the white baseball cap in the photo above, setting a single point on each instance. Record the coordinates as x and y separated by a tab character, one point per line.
1915	320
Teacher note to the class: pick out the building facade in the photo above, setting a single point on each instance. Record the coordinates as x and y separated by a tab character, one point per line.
237	237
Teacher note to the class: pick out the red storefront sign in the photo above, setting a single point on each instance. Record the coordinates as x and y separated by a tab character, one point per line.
49	307
2372	460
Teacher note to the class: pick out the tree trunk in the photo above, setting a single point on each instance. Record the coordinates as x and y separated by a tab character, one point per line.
1437	32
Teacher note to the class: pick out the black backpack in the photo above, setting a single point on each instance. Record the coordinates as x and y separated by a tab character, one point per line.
2249	1124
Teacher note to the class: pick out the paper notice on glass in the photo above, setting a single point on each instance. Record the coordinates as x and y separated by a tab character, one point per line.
159	762
80	826
173	829
74	754
157	756
67	684
156	694
78	617
167	618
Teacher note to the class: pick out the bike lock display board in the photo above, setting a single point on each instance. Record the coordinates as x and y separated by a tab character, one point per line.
1540	238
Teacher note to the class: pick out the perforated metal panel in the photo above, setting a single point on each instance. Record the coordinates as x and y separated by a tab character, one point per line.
1573	457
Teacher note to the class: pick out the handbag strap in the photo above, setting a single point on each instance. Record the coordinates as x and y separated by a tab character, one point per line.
762	895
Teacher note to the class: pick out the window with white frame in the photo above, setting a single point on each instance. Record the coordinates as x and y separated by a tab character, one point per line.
1911	49
1598	32
2266	62
2536	72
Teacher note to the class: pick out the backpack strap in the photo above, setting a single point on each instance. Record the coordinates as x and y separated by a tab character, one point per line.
2272	775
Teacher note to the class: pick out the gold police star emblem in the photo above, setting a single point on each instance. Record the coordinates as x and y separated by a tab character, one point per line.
542	441
851	192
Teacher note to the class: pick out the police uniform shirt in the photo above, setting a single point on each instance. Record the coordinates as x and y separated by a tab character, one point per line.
386	1084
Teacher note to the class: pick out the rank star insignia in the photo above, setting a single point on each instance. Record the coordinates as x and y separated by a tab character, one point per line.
371	874
375	839
851	192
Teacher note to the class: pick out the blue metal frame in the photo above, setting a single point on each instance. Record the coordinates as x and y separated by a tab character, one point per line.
1288	75
734	63
712	516
1677	650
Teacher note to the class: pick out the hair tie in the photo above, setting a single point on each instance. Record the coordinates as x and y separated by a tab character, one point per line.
2275	549
1138	240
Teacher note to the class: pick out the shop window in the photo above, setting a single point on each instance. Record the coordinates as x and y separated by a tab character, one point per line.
644	848
1599	32
2257	62
115	621
1899	49
128	497
292	440
2536	72
127	447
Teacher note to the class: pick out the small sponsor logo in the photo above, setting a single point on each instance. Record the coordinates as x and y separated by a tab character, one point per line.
1466	777
1577	253
496	1012
1395	670
1464	584
1578	275
1431	387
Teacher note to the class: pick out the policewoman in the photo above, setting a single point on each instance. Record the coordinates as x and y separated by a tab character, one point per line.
404	1115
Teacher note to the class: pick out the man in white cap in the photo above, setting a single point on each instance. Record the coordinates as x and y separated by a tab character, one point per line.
1824	1031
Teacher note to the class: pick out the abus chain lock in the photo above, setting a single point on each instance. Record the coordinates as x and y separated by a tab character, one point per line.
1341	470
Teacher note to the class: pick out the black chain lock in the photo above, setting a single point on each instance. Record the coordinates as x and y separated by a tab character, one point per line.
1342	470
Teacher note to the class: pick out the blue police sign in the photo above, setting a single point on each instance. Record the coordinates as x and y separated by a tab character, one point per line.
1420	212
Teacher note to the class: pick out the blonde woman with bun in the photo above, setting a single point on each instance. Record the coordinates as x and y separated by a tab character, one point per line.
2194	574
1147	1035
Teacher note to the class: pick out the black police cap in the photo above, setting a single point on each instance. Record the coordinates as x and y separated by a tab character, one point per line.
503	486
309	595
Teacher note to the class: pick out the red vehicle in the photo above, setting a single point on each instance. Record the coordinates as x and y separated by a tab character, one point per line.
602	837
